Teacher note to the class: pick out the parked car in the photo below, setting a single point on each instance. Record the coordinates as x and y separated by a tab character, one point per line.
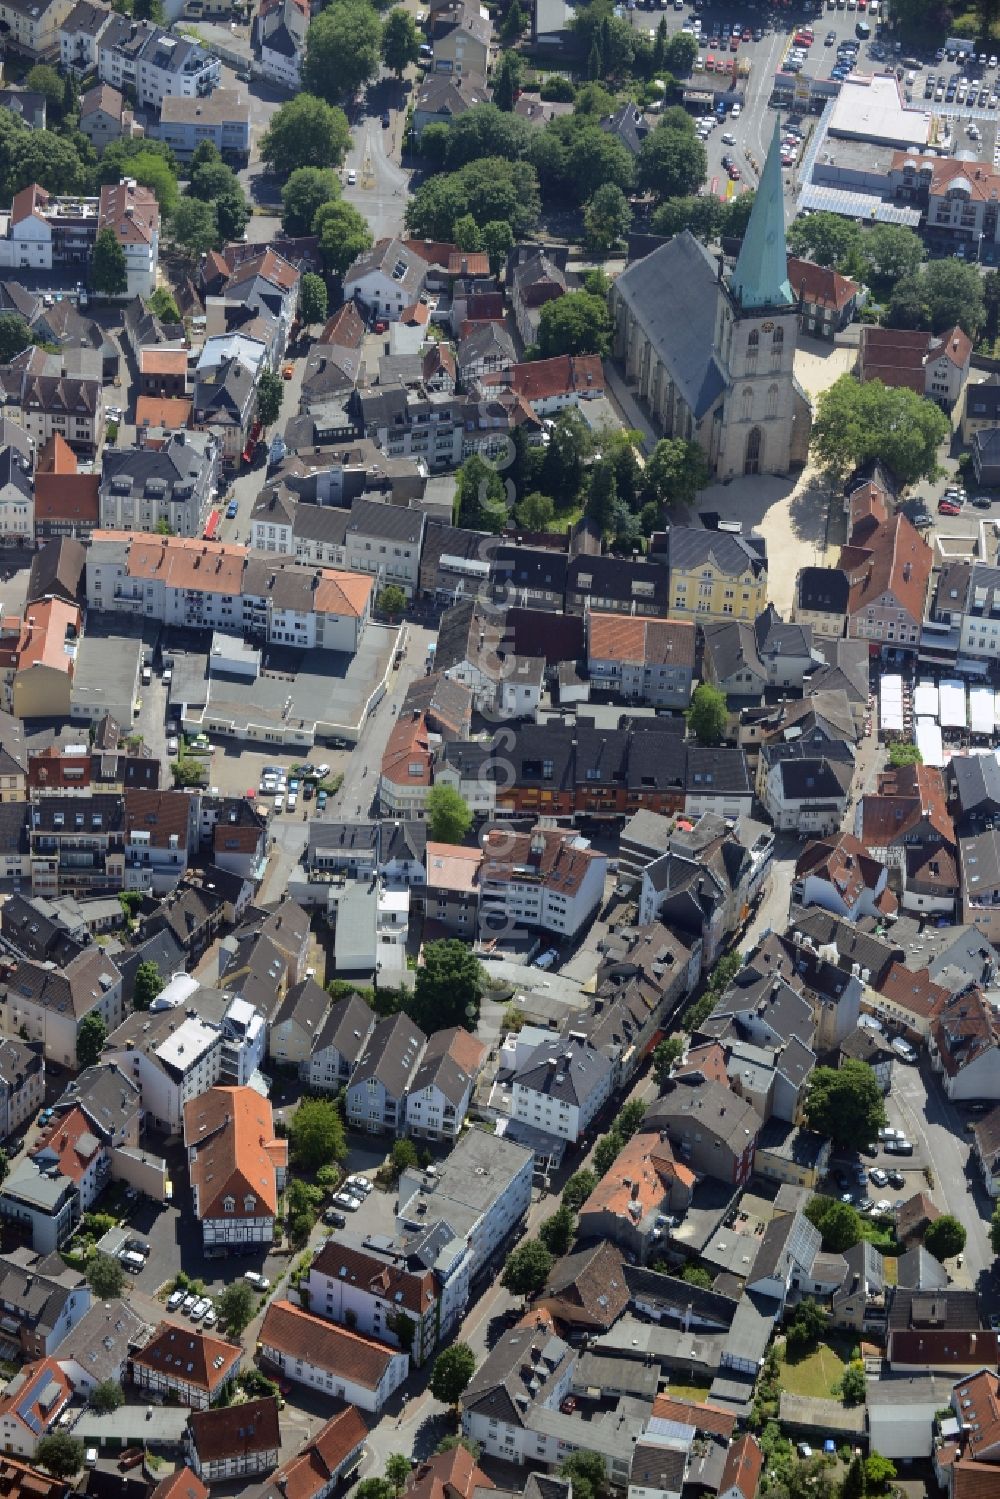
139	1246
356	1184
878	1177
334	1219
255	1279
175	1300
349	1203
232	509
199	1309
210	1318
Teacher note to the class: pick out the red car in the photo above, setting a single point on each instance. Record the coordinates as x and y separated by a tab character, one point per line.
734	44
734	174
945	507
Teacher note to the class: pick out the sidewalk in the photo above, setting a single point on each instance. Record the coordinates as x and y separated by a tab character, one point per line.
628	408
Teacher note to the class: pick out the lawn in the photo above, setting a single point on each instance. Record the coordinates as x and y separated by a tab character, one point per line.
813	1373
695	1392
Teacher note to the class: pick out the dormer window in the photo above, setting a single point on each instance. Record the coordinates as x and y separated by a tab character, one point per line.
229	1204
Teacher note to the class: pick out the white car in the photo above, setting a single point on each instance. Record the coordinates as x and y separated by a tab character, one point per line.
210	1318
175	1300
279	804
352	177
293	801
883	1206
187	1304
736	111
358	1184
255	1279
347	1201
172	746
322	771
201	1306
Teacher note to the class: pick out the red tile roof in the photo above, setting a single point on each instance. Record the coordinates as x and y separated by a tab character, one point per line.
187	1357
898	563
233	1431
904	798
964	1029
913	989
447	1475
843	863
231	1131
979	1400
70	1143
744	1462
707	1418
630	637
55	456
181	1484
818	285
394	1284
315	1466
170	412
73	498
943	1348
324	1345
547	379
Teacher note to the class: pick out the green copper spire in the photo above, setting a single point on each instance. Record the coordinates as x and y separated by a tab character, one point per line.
760	279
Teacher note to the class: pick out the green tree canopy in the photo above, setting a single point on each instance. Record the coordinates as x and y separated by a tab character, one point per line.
43	78
161	302
453	1368
106	1397
448	815
856	422
853	1387
527	1268
880	1472
697	1275
343	235
827	239
507	80
448	987
90	1039
536	511
270	390
707	714
891	252
26	156
588	1473
343	50
105	1276
490	189
942	294
480	496
607	218
679	54
575	323
402	1157
578	1188
484	130
400	41
304	193
904	754
316	1134
195	226
313	299
15	336
570	445
397	1464
837	1221
606	1152
556	1233
666	1053
236	1305
155	171
392	599
945	1238
675	472
808	1324
60	1453
845	1104
498	241
148	983
630	1118
305	132
672	160
108	267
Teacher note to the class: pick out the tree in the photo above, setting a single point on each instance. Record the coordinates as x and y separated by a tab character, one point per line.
675	472
45	79
606	1152
697	1275
630	1118
269	393
536	511
602	497
305	132
672	161
904	754
70	101
570	445
236	1305
60	1453
392	599
148	983
448	815
491	188
606	218
397	1464
316	1134
578	1188
400	41
575	323
448	1444
854	1479
106	1397
498	241
513	24
304	194
161	302
853	1386
679	53
312	298
945	1238
845	1104
485	130
343	49
448	987
403	1157
703	216
90	1039
480	496
468	235
953	293
827	239
527	1268
108	267
807	1325
374	1488
556	1233
855	422
153	170
195	227
451	1374
343	235
665	1055
891	252
879	1473
837	1221
15	336
105	1276
707	714
588	1473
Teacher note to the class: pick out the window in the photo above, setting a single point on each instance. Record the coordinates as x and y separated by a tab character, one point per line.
772	401
747	403
777	347
753	345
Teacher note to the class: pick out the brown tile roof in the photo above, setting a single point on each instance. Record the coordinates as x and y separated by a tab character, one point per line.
972	1480
313	1468
843	863
68	497
131	211
899	561
447	1475
627	637
270	266
904	797
744	1462
591	1283
154	361
982	1413
70	1143
185	562
986	1132
954	345
916	1214
342	593
231	1131
35	1402
189	1357
544	379
236	1430
707	1418
453	868
170	412
818	285
913	989
943	1348
181	1484
393	1283
465	263
345	328
161	814
708	1060
406	759
640	1175
55	456
551	857
324	1345
964	1029
894	356
44	632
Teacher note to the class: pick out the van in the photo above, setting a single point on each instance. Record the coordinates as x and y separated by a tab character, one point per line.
132	1262
90	1458
147	675
904	1050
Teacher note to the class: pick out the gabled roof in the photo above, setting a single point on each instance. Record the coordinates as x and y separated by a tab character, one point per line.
316	1466
447	1475
842	861
188	1357
819	286
744	1463
324	1345
451	1060
230	1132
236	1431
635	638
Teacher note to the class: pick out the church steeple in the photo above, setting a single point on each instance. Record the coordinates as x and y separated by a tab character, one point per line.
760	279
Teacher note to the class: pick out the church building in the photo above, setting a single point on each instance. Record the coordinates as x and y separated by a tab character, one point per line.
712	352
